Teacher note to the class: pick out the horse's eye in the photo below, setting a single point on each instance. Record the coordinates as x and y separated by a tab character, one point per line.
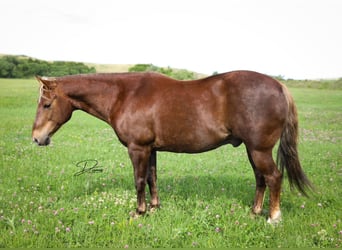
46	106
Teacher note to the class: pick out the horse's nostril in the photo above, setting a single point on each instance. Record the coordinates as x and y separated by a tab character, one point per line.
42	142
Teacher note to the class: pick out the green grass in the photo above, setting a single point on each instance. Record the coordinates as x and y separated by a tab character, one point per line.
206	198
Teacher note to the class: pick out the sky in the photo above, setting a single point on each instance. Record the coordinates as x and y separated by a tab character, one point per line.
295	39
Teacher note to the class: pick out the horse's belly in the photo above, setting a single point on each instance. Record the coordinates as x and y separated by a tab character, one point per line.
194	142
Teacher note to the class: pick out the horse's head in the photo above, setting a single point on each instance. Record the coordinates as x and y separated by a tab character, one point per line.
53	110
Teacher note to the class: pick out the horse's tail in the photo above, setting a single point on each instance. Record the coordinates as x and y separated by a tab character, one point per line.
287	155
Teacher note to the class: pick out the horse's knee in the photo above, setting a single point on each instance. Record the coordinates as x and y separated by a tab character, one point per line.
140	184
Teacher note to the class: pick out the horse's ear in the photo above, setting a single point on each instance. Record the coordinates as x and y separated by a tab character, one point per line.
49	82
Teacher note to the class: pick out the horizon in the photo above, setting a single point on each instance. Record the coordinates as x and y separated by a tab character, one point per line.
117	66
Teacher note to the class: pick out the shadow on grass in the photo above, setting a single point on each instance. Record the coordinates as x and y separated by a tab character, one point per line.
188	190
208	188
182	188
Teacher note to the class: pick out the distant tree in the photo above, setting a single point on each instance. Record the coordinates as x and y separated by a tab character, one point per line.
17	67
180	74
6	68
166	71
183	74
141	68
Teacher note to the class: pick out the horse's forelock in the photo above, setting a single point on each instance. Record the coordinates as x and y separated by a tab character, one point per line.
47	85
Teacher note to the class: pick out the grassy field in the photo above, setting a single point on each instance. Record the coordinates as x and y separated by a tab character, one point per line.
206	198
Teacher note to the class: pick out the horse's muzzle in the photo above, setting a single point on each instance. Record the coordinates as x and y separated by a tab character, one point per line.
42	142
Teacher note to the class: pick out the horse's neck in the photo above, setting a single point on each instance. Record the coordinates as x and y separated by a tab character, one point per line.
95	99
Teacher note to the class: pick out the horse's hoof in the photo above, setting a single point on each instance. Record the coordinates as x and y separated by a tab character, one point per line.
275	220
135	215
153	210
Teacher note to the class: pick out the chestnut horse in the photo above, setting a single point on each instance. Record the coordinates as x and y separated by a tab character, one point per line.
150	112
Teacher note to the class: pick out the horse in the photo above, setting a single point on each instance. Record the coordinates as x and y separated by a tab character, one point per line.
150	112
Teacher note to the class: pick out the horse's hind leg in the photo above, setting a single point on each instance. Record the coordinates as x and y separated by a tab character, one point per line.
265	166
260	187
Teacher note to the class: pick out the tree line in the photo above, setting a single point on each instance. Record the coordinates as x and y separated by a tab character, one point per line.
24	67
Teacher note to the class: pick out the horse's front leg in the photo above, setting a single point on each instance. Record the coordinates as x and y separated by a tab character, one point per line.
152	180
140	159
